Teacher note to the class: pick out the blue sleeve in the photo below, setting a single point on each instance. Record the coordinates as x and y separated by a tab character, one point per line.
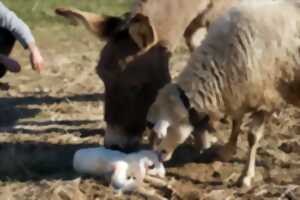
15	25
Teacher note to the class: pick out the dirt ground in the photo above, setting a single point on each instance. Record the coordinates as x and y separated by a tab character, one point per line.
45	118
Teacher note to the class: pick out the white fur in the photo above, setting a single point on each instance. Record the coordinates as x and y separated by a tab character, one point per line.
176	135
161	128
159	169
122	167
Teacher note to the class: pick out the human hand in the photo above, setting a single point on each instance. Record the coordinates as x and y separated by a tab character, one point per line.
36	59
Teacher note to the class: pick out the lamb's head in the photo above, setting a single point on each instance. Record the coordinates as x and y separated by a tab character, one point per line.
171	121
154	167
124	177
145	163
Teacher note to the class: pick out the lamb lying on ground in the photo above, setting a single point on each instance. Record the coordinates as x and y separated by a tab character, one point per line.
247	64
127	171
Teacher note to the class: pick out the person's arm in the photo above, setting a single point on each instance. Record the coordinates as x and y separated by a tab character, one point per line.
22	33
16	26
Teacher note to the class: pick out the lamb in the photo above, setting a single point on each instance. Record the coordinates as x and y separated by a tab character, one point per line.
127	170
248	64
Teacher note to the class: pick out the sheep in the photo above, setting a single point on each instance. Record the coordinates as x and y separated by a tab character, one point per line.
127	170
248	64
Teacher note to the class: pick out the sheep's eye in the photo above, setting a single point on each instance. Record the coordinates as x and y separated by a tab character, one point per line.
152	166
164	151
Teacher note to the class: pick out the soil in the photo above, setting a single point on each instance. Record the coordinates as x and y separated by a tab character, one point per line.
45	117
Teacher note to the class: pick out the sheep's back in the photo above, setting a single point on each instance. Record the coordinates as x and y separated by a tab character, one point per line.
247	53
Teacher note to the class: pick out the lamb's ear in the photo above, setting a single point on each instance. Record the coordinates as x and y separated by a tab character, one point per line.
101	26
142	31
146	163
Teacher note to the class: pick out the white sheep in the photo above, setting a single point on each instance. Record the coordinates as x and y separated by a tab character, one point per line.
247	64
126	171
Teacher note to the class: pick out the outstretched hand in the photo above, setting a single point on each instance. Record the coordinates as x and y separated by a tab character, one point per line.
36	58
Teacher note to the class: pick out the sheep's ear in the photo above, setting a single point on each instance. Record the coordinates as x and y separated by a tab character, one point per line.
142	31
102	26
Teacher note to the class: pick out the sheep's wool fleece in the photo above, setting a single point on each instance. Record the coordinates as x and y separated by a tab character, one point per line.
249	57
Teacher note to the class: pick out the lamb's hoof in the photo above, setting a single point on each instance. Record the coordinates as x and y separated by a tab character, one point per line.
225	153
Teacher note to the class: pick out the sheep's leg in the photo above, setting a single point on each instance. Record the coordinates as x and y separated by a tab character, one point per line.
225	153
254	136
203	141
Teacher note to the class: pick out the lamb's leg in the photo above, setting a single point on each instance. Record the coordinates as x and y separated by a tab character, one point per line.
254	136
225	153
158	182
149	193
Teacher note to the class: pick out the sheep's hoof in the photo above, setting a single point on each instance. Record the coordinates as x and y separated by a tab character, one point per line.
204	141
245	181
225	153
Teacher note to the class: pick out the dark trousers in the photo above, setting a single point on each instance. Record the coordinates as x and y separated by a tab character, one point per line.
7	41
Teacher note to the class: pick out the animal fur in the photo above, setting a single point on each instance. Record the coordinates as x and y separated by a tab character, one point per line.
248	63
125	171
205	18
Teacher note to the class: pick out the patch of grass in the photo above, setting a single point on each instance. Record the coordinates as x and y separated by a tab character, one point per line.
40	12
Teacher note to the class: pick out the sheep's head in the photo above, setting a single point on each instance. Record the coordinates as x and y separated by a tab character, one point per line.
133	66
171	121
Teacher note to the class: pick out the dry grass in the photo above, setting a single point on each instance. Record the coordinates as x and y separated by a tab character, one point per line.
45	118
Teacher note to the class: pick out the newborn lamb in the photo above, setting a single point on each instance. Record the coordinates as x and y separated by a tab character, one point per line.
126	171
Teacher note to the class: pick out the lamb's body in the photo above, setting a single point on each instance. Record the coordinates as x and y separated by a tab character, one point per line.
97	161
248	62
126	170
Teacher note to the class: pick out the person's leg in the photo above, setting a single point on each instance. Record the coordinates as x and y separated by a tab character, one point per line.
7	41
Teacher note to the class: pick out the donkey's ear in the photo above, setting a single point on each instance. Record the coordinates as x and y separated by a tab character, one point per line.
142	31
102	26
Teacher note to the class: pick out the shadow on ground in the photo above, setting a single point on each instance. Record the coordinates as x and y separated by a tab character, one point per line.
37	160
13	109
